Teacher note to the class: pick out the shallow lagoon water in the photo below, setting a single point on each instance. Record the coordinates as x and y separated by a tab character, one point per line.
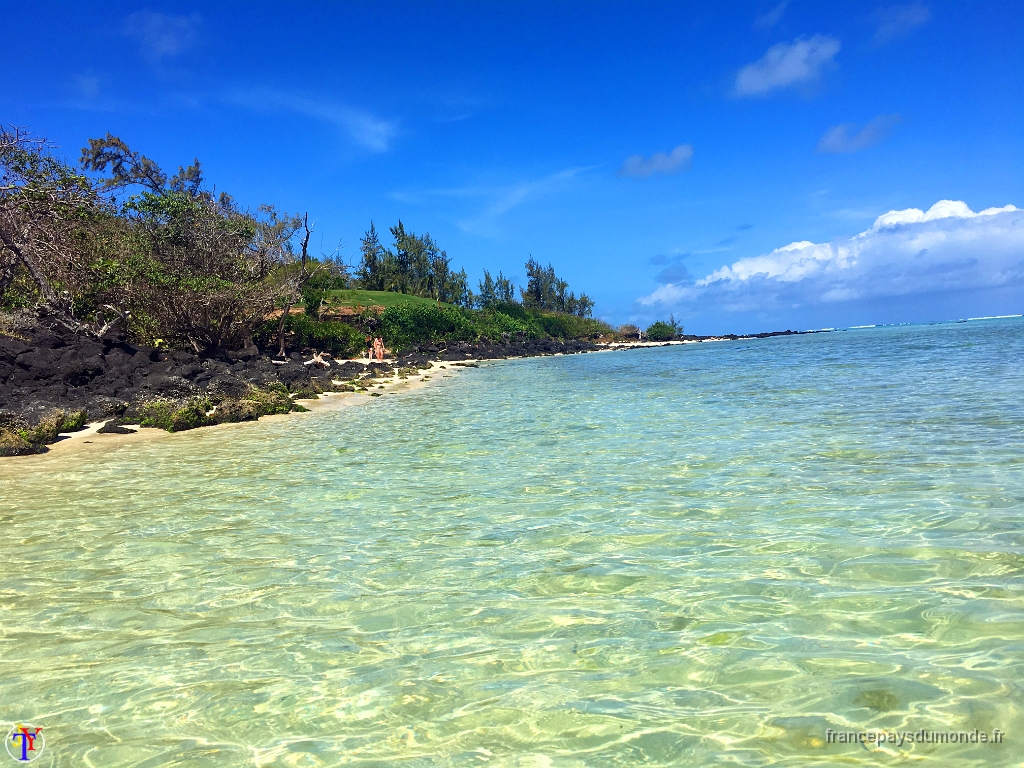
692	555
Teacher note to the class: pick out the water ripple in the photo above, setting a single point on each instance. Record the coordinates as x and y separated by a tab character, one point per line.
680	556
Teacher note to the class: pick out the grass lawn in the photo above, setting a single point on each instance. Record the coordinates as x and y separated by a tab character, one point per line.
350	298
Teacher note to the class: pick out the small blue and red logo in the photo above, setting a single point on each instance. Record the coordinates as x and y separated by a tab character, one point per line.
25	742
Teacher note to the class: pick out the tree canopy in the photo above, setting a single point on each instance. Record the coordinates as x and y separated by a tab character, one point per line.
545	290
495	291
416	266
171	260
120	241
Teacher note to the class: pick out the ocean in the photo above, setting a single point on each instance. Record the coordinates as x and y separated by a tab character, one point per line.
718	553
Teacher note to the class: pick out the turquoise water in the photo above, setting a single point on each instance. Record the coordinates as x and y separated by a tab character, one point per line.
692	555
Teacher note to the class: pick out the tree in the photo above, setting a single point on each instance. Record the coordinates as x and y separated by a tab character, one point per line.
295	276
45	206
370	272
196	268
495	291
416	266
128	168
545	290
662	331
329	273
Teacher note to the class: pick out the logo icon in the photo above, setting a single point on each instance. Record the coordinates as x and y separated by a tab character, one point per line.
25	742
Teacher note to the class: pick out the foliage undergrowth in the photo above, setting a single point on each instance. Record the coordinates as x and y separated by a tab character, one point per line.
175	416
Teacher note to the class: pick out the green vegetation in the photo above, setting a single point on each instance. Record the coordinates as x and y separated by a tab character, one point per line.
52	425
305	331
122	243
405	323
177	417
495	291
416	267
545	291
354	297
19	439
662	331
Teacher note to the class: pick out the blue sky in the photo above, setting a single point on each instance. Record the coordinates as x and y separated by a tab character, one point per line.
662	156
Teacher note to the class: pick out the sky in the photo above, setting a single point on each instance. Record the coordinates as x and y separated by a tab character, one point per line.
743	167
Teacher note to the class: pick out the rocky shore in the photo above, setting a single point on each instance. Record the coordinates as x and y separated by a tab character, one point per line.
54	380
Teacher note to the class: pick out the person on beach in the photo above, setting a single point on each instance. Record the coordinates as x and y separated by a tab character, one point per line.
378	348
369	347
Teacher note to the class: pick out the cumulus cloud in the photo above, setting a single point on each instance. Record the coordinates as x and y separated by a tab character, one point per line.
845	138
161	35
897	20
659	163
363	128
948	248
787	64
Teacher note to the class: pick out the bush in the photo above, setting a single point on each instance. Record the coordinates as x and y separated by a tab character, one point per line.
340	339
74	421
156	413
191	416
662	331
174	417
408	325
50	426
273	399
16	445
493	323
563	326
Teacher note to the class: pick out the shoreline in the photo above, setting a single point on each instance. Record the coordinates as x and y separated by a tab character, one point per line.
89	439
343	383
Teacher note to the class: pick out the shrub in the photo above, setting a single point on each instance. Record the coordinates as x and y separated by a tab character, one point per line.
407	325
662	331
74	421
494	323
173	416
156	413
12	444
340	339
564	326
51	425
272	399
231	411
191	416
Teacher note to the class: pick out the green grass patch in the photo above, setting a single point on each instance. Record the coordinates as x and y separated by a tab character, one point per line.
350	297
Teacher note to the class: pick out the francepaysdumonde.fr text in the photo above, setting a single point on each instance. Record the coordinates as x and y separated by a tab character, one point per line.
920	736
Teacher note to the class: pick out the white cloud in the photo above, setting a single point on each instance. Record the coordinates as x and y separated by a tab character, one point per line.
490	202
839	138
897	20
673	162
787	64
944	209
507	198
161	35
363	128
88	86
948	248
770	19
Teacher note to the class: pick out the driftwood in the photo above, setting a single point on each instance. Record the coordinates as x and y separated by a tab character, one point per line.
318	359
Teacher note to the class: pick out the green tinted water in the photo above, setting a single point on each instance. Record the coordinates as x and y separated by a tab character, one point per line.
677	556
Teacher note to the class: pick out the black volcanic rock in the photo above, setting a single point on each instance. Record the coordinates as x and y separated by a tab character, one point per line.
113	427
